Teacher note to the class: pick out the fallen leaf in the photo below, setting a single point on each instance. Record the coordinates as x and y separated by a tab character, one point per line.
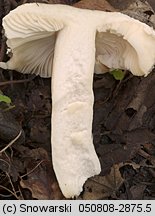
135	166
101	187
152	3
102	5
137	191
40	177
50	1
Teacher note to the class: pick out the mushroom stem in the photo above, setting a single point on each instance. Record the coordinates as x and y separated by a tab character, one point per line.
73	153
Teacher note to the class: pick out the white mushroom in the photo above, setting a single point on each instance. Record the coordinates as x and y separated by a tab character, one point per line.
64	42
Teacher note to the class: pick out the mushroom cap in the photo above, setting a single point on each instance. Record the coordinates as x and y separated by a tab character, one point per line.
31	37
121	42
125	44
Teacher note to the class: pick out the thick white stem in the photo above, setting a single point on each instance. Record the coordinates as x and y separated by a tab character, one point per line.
73	154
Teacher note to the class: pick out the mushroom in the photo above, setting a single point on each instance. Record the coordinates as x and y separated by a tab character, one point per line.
64	42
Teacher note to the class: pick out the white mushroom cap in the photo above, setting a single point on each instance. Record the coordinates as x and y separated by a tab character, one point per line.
126	44
64	42
121	42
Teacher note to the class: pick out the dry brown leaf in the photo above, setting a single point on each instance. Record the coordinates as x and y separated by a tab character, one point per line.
152	3
102	5
40	177
121	4
48	1
100	187
42	182
12	166
138	9
37	154
149	148
134	165
58	1
137	191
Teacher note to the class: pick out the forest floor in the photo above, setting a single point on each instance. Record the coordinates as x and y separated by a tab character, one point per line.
123	132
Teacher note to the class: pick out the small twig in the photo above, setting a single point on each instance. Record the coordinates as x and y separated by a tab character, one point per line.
10	144
9	108
16	81
21	194
5	162
14	191
144	154
32	169
6	196
7	157
5	188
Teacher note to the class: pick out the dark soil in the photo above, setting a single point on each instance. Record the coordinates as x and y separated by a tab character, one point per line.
123	131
